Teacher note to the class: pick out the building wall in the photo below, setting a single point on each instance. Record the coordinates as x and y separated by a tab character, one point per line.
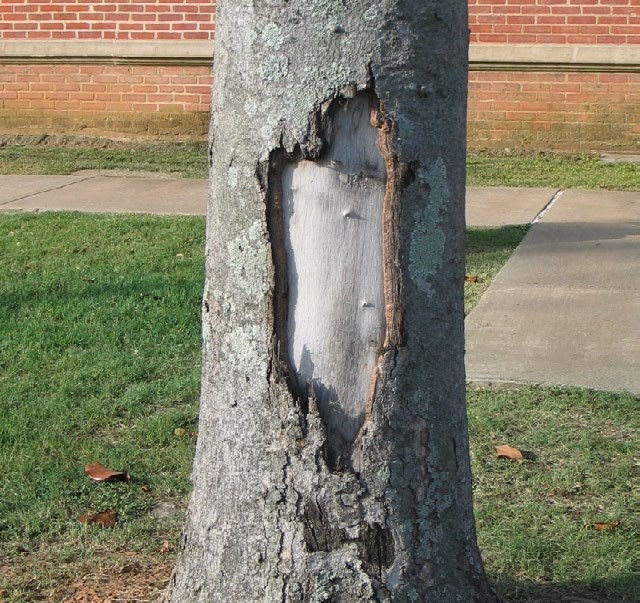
554	21
107	67
568	111
99	99
107	20
561	74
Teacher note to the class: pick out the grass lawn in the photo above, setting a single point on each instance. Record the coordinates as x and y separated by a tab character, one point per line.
550	169
189	160
183	159
99	361
487	250
535	519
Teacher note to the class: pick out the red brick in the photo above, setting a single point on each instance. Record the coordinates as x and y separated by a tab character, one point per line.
130	97
93	105
95	88
118	107
610	39
107	96
29	95
552	97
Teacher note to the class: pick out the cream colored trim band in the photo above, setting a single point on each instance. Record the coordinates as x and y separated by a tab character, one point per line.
114	52
554	57
482	57
598	54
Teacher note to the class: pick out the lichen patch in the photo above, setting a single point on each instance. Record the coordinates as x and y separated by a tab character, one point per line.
426	250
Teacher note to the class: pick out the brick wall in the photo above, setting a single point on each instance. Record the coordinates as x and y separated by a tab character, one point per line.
555	21
97	99
107	20
106	87
533	101
547	104
132	98
563	111
495	21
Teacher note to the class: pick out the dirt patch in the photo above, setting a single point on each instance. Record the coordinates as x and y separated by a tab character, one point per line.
127	577
134	582
186	125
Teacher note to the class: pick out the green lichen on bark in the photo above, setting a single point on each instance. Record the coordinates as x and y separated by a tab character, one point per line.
427	246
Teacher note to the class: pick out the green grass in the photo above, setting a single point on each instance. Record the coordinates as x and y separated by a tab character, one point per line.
189	160
528	169
184	159
487	250
99	361
534	518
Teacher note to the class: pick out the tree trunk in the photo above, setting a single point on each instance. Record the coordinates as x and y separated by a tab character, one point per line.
332	459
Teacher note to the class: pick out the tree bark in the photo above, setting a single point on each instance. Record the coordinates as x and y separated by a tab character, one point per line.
332	458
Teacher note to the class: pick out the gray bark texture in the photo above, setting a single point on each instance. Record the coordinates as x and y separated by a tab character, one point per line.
332	459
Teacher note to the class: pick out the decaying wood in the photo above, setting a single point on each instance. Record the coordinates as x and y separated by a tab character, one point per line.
396	180
337	300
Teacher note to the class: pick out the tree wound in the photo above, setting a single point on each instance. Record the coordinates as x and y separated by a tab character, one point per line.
332	212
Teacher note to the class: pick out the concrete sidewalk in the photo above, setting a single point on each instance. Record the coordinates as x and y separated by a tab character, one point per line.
104	191
565	310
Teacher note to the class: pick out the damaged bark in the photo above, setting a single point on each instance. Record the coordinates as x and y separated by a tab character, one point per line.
332	458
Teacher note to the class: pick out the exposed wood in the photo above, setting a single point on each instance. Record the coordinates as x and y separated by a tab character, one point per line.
333	236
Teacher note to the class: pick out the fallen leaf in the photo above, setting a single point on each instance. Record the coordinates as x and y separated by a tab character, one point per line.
180	255
107	519
180	432
165	547
471	278
507	452
606	525
146	488
100	473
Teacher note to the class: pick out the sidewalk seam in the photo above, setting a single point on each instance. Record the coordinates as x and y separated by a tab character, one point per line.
48	190
547	207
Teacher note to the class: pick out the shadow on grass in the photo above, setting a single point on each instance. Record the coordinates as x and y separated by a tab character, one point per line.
491	240
618	589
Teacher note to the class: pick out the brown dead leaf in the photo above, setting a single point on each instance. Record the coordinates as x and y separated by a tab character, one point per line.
146	488
107	519
165	547
100	473
507	452
471	278
606	525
